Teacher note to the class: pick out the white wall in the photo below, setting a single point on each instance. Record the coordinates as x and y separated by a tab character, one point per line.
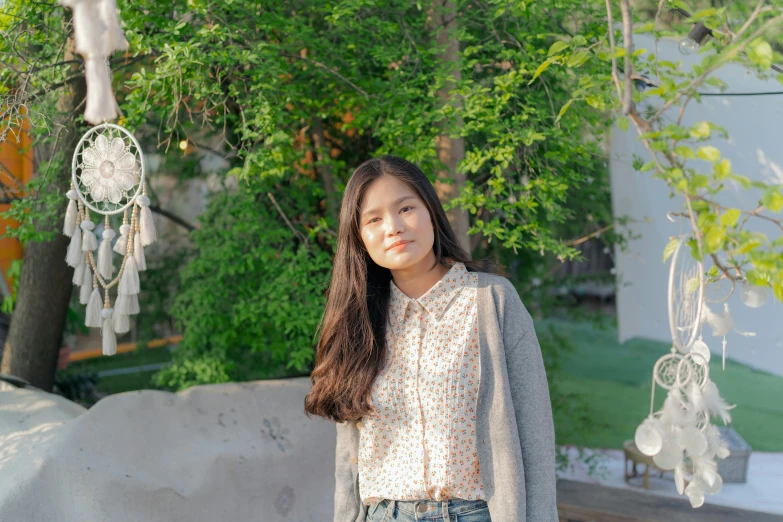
755	148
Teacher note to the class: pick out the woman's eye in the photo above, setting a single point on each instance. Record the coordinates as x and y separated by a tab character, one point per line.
403	208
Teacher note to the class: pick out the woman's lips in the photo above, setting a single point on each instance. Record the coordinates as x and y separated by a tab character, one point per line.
400	246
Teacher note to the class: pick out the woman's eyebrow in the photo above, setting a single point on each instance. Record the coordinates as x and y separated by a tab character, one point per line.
397	202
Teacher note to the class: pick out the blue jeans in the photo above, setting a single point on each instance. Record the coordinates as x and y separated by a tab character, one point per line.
452	510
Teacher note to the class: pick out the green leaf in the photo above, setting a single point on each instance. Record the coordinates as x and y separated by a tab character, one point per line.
647	166
742	180
777	289
748	244
694	246
713	239
670	248
761	54
730	217
772	199
579	40
708	153
557	47
596	102
755	278
623	123
577	59
541	68
699	181
563	109
722	169
692	285
644	28
700	130
684	152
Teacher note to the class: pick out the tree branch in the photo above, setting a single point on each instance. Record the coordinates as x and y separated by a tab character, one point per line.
329	69
173	217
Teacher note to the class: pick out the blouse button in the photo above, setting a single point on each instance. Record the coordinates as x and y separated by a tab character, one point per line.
359	424
354	460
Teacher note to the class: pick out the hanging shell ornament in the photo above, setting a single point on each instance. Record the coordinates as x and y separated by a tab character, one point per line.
681	430
108	180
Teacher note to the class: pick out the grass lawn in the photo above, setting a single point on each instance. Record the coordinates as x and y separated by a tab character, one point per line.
615	382
124	382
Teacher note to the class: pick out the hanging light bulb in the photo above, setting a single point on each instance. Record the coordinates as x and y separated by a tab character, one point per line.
691	43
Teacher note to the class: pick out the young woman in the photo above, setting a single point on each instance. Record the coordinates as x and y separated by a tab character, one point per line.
430	366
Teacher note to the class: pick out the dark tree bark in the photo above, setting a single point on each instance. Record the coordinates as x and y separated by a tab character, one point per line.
38	320
323	168
450	150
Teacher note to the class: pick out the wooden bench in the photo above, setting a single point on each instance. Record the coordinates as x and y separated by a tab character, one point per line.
585	502
635	457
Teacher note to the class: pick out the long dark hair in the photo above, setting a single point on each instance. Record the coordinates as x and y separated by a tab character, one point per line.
352	350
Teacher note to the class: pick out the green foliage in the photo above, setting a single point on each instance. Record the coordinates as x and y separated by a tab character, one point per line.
678	154
250	299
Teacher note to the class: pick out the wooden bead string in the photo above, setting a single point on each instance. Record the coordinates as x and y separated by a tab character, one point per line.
129	252
106	301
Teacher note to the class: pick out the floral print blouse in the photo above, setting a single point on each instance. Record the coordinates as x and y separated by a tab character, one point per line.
422	442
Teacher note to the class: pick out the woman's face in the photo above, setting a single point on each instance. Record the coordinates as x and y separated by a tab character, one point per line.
392	212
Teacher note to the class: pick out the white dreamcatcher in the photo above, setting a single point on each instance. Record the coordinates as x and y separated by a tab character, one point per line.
108	179
680	436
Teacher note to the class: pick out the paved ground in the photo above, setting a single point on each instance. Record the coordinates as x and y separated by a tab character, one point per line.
763	490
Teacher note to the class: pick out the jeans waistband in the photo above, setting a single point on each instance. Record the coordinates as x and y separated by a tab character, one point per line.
453	506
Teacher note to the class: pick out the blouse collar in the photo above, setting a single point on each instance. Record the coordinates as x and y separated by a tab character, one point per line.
437	299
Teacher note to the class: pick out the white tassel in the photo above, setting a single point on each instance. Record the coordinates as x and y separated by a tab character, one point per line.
114	37
105	267
89	241
109	337
148	233
93	319
78	273
88	28
86	279
101	104
74	255
138	253
85	291
121	246
69	225
121	322
129	284
127	304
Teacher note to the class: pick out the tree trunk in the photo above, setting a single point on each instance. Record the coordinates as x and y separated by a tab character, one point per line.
38	320
450	151
323	167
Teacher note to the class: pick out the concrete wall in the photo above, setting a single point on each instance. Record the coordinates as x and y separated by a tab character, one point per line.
755	148
227	452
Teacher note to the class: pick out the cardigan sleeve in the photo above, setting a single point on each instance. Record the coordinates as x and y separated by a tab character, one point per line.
533	409
346	494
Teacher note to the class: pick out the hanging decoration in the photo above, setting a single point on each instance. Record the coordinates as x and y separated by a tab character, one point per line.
97	35
108	179
680	436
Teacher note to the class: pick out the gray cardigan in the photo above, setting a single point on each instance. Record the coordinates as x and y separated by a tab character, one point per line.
515	432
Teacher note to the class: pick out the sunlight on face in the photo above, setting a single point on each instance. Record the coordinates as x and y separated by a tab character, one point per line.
390	212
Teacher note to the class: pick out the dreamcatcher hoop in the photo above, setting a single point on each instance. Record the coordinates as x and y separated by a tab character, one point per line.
666	369
108	178
686	298
692	368
107	165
